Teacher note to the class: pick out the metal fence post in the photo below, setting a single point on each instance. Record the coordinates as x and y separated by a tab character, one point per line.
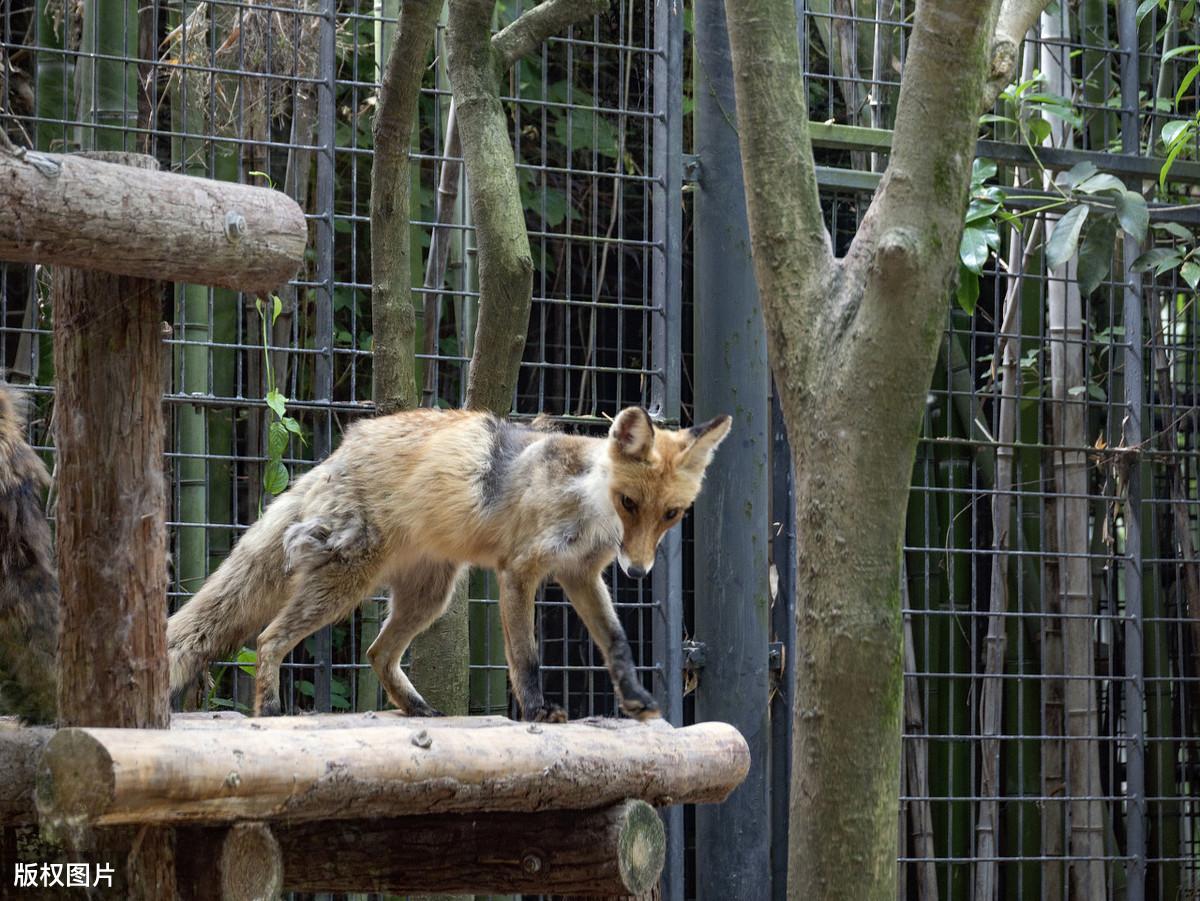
667	296
732	612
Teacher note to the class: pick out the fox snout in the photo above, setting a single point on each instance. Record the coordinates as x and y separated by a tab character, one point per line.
635	570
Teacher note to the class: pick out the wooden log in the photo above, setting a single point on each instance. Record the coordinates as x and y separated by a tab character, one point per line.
117	776
617	851
78	211
20	748
111	528
236	863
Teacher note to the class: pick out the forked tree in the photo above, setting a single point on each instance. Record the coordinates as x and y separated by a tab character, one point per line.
852	343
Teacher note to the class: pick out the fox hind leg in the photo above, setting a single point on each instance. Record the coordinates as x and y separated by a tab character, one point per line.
321	596
420	595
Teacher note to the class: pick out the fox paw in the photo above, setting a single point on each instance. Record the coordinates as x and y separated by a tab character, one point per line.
641	708
421	708
547	713
270	708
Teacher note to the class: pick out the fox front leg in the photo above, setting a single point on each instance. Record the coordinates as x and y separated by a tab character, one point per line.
517	592
590	598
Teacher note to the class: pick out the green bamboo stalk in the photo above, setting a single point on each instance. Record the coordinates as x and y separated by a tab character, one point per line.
106	83
191	359
955	517
926	595
1163	810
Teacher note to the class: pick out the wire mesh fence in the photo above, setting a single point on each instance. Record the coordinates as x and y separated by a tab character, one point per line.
1073	748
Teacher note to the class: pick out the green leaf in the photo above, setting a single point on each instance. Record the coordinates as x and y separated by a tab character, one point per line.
967	292
1176	149
973	249
1144	9
275	478
1179	51
277	440
1187	82
1096	392
247	660
277	309
981	171
1174	229
1172	130
1039	130
1190	272
1076	390
1101	182
1133	214
1156	257
1095	253
292	426
277	402
981	210
1064	241
1078	173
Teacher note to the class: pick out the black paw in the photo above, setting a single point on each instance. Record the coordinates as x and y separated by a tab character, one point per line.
641	707
270	708
546	713
419	707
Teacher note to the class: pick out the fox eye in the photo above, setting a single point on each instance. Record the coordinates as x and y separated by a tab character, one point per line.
628	503
671	514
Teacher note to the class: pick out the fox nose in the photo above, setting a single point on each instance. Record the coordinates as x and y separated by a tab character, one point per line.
636	571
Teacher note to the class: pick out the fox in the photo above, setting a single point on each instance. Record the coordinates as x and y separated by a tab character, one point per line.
411	501
29	593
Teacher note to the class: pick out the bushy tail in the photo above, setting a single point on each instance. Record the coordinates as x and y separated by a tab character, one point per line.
237	601
29	599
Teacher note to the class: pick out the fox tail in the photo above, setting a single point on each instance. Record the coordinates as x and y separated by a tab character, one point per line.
236	601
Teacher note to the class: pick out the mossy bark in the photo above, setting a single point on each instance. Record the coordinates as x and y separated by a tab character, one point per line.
853	343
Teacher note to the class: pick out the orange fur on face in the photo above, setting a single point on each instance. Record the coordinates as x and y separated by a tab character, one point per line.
656	476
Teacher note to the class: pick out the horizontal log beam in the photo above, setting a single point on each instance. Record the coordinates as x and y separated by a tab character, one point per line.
74	211
613	852
209	774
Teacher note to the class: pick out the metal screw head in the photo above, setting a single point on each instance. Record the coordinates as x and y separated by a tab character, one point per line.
235	225
531	863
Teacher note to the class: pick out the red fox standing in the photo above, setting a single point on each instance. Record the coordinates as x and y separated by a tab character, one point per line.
410	500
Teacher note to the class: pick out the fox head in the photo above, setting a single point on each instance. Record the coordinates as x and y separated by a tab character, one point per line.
656	475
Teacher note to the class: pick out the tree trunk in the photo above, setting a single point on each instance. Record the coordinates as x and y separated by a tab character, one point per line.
852	345
112	652
618	851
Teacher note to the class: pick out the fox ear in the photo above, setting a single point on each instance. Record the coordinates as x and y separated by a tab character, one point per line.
631	434
704	441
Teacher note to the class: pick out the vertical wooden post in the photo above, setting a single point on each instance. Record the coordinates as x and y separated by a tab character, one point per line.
111	534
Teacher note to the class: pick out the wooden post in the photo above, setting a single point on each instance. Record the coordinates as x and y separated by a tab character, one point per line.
235	863
618	851
111	525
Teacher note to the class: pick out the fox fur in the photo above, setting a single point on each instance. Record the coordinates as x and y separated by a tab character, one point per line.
29	597
411	500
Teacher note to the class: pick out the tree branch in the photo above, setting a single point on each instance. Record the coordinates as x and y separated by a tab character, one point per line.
1015	19
392	315
918	210
793	260
533	26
